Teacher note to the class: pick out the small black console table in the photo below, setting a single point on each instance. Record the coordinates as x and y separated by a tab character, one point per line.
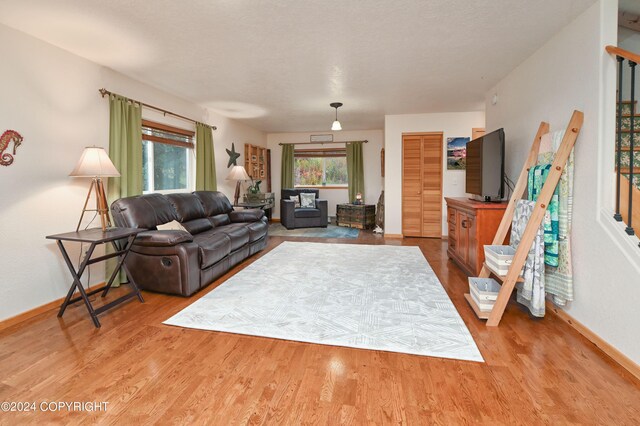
94	237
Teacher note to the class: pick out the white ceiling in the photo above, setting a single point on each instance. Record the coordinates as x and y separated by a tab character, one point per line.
278	64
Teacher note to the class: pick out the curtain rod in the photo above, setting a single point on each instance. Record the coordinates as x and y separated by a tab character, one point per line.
319	143
105	92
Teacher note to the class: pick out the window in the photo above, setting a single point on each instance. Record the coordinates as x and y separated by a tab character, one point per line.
320	167
167	158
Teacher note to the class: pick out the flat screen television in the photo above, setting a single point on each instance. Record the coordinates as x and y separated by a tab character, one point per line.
485	167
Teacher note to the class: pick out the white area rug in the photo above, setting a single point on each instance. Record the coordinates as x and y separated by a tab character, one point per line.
362	296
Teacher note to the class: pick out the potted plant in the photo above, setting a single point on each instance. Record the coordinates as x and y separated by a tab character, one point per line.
253	191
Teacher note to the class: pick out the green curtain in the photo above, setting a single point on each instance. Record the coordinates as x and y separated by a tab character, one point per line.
205	159
287	167
355	170
125	147
125	151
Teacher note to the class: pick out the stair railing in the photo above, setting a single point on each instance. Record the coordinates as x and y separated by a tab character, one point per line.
632	60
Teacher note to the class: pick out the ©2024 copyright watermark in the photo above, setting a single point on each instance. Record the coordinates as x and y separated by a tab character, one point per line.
52	406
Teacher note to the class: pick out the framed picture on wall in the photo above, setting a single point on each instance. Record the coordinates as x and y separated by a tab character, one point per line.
457	153
321	138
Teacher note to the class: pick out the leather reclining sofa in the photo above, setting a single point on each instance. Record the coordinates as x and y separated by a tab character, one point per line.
181	262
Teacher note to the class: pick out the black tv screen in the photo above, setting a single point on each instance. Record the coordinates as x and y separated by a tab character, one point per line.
485	167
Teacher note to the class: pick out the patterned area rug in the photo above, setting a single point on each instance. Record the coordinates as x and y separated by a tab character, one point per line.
331	231
361	296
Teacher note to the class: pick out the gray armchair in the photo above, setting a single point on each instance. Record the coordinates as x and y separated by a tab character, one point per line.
292	217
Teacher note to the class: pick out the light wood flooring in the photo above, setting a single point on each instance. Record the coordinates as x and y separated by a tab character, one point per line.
536	371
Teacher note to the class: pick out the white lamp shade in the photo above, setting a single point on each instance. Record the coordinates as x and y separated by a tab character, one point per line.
238	173
336	125
94	162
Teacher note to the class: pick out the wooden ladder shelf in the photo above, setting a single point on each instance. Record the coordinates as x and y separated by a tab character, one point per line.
520	257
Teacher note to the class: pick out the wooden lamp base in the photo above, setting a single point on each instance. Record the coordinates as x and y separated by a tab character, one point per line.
101	204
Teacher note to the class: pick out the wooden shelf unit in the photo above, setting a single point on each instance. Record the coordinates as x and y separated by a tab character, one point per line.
529	234
480	314
255	162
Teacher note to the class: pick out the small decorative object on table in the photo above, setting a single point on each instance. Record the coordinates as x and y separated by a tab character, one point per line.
358	199
253	191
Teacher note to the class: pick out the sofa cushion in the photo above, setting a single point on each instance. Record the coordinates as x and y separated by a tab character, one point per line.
257	230
188	206
288	192
174	225
143	211
307	200
296	200
162	238
220	220
237	232
302	213
212	247
214	202
197	226
251	215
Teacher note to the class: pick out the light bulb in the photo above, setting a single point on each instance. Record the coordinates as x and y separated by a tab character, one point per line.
336	125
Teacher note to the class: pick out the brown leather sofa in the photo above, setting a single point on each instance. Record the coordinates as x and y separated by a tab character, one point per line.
179	262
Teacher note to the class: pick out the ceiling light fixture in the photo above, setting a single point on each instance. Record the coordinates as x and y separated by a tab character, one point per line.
336	124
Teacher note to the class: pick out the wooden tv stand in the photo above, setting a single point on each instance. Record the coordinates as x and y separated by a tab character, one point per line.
472	224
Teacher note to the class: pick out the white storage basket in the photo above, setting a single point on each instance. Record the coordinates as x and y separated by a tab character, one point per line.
484	289
499	258
484	306
484	292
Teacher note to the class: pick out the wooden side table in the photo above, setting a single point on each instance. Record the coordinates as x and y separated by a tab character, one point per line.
94	237
361	216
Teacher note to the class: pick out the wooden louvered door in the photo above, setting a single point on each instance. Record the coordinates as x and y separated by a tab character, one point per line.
422	185
412	186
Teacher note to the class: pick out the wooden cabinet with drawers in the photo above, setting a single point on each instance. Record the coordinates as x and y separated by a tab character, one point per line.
471	224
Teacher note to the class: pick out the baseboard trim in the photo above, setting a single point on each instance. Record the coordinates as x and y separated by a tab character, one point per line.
393	236
275	219
605	347
27	315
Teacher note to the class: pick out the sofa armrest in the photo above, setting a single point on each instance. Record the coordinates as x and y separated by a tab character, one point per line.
251	215
162	238
322	205
287	213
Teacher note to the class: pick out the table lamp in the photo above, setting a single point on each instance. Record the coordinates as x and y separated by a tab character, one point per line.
96	164
237	173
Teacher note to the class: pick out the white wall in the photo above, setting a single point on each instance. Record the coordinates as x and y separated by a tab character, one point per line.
572	71
51	97
452	124
371	151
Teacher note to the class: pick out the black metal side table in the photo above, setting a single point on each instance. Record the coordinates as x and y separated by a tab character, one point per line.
94	237
267	207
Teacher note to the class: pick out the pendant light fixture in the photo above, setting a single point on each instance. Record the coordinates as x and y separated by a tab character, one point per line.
336	124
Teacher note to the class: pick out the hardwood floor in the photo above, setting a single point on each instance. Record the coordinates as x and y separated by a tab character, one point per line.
536	371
